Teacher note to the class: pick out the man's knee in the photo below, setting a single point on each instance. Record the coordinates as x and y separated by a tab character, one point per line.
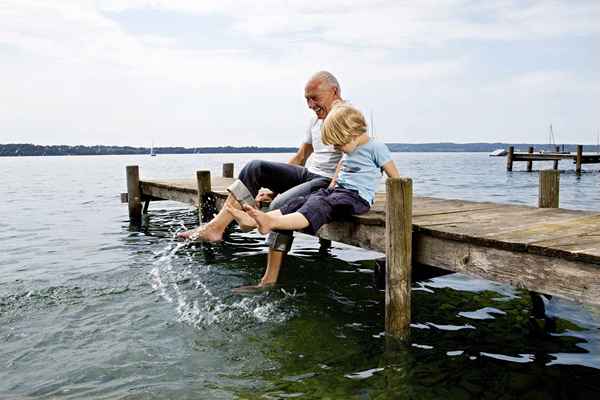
253	168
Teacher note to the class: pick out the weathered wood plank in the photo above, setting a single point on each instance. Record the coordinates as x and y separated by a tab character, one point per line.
567	234
568	279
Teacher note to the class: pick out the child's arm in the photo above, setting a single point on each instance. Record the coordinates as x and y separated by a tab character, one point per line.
335	175
390	169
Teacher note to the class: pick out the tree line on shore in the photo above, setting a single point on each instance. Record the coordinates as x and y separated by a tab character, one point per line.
27	149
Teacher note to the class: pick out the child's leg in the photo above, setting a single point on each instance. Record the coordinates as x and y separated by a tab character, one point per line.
246	222
275	220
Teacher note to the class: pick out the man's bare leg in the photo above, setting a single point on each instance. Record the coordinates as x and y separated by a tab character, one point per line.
213	230
274	261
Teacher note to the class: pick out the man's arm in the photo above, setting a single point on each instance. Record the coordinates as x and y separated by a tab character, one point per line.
302	154
391	170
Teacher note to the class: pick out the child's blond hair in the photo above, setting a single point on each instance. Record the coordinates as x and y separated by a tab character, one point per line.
342	123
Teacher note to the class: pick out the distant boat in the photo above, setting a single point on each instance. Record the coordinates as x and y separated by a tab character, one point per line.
152	153
498	153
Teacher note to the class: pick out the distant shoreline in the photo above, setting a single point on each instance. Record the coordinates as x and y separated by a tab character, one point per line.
26	149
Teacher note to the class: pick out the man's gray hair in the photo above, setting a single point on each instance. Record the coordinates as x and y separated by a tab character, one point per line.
328	78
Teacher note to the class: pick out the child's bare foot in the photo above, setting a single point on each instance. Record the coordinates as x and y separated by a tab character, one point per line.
246	222
203	233
265	222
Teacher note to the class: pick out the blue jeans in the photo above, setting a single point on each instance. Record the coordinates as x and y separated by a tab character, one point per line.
289	180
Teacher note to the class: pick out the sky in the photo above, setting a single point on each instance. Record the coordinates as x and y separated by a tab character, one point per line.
232	72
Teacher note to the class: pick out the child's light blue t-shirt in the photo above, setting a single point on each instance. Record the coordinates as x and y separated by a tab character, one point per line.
361	169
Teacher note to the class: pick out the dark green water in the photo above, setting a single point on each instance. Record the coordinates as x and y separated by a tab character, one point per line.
90	308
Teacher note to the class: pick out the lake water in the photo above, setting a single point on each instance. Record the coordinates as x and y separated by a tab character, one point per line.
91	308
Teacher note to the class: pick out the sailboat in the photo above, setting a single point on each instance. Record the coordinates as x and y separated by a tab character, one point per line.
152	153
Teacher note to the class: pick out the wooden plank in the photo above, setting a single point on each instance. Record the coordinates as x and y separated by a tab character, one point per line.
542	157
571	280
182	195
503	226
370	237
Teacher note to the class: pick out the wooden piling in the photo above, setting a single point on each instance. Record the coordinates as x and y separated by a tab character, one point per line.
556	149
549	189
578	159
134	194
530	162
509	158
228	170
204	187
398	234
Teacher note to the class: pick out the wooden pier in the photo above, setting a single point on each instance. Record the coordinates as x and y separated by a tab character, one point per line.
544	249
579	158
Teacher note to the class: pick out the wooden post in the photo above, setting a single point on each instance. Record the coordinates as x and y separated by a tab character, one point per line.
556	149
204	188
549	189
398	234
530	162
134	194
578	158
228	170
509	158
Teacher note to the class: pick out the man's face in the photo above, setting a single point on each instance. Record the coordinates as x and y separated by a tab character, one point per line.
319	97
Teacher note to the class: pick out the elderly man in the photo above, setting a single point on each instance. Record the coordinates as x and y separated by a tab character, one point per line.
289	180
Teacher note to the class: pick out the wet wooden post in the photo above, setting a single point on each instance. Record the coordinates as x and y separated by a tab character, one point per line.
204	187
548	197
398	235
549	189
134	194
228	170
530	162
556	149
509	158
578	158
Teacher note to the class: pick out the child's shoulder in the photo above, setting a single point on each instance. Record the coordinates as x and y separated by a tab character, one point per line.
376	145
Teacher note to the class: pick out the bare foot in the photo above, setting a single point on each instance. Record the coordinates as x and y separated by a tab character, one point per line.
251	289
265	222
203	233
245	221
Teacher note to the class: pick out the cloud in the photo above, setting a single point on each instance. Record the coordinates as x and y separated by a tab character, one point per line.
78	69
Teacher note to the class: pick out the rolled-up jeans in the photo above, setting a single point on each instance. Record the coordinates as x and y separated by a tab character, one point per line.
288	180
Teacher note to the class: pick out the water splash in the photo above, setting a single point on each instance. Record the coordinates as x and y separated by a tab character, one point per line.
204	303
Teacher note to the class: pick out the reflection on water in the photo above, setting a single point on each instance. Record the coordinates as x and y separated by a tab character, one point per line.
90	308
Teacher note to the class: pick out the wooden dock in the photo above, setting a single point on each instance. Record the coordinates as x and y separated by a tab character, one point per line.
548	250
578	158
